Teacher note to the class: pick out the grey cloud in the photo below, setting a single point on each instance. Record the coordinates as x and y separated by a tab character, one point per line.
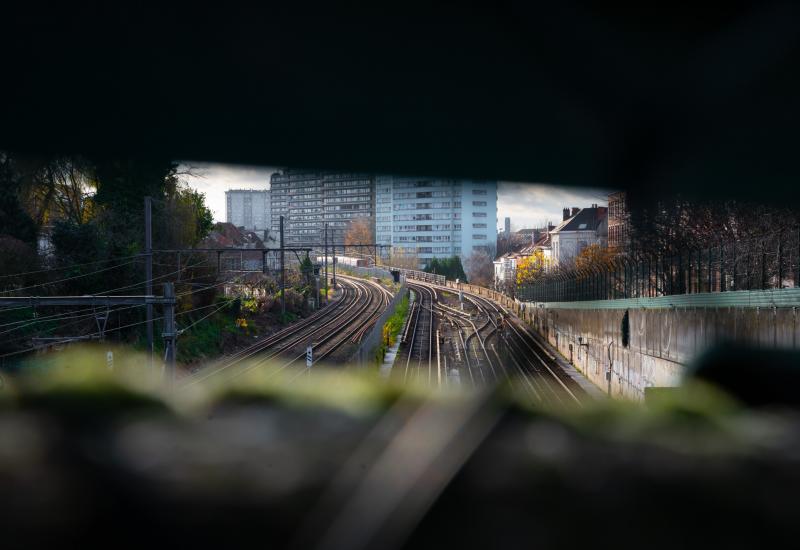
214	179
530	204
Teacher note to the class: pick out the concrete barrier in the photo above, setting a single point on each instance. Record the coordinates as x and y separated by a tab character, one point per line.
372	271
372	340
665	333
661	343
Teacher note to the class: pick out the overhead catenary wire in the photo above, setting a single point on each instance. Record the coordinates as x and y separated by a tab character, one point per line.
204	317
138	323
69	314
74	316
69	278
70	266
133	259
142	283
57	316
78	318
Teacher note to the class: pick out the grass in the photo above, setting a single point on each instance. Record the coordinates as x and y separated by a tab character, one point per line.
392	327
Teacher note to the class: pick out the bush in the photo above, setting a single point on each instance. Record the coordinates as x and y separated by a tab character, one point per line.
16	257
295	302
392	327
451	268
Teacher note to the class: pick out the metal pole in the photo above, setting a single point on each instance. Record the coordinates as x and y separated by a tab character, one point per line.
148	273
316	287
699	271
656	261
169	335
326	262
283	275
689	272
780	260
797	262
666	269
333	255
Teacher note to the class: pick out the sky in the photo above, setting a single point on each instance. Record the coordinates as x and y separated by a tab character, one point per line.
528	204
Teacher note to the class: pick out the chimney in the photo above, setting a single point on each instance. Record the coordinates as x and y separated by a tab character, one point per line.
566	214
594	205
575	210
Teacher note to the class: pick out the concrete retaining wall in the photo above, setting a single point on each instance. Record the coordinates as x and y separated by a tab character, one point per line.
662	341
363	271
365	355
666	333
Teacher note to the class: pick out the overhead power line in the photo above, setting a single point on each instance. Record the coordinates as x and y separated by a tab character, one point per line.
68	278
70	266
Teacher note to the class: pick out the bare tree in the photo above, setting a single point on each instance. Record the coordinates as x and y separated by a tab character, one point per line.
360	231
56	188
480	268
404	258
74	184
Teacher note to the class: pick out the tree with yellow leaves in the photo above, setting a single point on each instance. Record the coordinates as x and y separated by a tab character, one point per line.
594	256
530	268
359	231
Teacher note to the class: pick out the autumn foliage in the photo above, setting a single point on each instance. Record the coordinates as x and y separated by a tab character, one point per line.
359	232
594	256
529	268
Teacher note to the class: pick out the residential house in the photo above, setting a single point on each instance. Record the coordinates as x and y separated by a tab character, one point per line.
580	228
505	266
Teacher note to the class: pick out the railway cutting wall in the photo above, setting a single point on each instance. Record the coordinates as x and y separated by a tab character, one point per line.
664	334
365	355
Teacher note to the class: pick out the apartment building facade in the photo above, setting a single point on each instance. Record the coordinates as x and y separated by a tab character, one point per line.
431	218
250	209
310	199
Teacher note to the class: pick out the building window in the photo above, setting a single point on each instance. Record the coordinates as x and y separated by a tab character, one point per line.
478	203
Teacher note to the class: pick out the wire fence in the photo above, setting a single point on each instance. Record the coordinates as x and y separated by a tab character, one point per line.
766	262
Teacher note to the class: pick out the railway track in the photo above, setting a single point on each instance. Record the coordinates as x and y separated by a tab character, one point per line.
415	359
345	321
485	344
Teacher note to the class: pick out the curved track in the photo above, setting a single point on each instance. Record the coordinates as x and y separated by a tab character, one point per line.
483	344
327	330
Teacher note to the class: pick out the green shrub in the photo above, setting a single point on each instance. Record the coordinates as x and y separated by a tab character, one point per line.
392	327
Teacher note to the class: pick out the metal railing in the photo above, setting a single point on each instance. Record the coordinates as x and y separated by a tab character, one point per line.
420	275
766	262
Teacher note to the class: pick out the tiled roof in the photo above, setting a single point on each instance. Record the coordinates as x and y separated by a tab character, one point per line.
587	219
227	235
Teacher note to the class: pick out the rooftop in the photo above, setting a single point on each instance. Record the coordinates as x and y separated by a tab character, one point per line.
587	219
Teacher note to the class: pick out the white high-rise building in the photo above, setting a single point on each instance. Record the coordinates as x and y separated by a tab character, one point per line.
249	208
309	199
435	218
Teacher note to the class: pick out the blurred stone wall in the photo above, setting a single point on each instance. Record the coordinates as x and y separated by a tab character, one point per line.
662	341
